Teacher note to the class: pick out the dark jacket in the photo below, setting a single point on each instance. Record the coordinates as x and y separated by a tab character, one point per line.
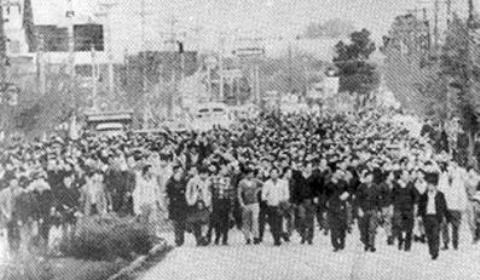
385	194
440	205
303	188
404	199
368	197
334	204
177	208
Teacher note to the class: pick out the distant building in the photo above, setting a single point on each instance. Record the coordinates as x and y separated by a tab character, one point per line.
36	43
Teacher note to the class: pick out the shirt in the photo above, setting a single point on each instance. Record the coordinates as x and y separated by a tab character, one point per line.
247	191
274	193
431	203
222	188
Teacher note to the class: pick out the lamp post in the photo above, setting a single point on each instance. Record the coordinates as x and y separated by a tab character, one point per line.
108	5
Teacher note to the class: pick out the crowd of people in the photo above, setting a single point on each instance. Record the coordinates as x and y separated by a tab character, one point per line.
290	172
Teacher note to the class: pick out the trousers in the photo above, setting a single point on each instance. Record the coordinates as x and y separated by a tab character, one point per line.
454	219
250	221
179	230
432	231
306	223
368	227
275	222
338	229
221	219
387	217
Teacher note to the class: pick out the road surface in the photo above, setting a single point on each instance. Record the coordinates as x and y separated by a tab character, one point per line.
317	261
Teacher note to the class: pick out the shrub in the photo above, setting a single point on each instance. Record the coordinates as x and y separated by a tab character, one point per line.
109	239
29	269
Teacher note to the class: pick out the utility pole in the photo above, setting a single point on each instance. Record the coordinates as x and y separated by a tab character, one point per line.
3	48
290	81
3	72
143	23
71	43
94	76
471	26
108	5
220	63
41	66
449	11
175	44
435	28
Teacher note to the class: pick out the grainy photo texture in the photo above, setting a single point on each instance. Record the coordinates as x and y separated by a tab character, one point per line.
239	139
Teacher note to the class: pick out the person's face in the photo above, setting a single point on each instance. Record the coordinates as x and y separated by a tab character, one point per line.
431	187
390	177
368	178
203	176
178	174
274	174
308	167
68	181
14	183
323	163
405	176
131	162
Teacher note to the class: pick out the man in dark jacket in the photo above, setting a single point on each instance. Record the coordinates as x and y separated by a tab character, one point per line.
432	209
368	197
337	210
323	177
177	208
303	195
404	198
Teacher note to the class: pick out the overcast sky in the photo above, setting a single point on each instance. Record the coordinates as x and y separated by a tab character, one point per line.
270	17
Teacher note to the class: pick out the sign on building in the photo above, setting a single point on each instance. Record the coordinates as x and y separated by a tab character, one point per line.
246	52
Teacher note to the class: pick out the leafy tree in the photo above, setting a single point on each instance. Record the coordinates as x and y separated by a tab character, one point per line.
37	112
357	74
459	64
407	70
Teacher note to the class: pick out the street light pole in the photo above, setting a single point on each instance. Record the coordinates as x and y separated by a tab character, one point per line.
3	71
108	5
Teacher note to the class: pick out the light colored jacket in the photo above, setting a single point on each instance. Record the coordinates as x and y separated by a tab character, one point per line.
455	193
145	193
199	190
93	193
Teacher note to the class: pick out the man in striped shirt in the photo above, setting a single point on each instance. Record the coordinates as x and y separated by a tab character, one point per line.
223	195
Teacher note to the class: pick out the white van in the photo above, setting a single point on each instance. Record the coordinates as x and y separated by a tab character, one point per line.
206	115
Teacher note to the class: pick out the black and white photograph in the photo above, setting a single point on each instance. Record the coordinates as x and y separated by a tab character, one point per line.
239	139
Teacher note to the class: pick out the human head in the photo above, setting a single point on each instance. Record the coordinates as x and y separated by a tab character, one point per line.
203	172
274	173
177	172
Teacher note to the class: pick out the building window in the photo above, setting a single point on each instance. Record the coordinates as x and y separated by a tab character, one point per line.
88	35
52	38
84	71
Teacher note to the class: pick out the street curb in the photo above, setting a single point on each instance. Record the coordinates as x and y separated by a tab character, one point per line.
139	261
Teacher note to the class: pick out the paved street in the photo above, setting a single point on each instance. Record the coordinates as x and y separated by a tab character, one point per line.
295	261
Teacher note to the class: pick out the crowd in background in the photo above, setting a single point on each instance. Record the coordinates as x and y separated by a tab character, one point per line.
289	172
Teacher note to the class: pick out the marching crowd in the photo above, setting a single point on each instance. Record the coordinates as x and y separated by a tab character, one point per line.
289	172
